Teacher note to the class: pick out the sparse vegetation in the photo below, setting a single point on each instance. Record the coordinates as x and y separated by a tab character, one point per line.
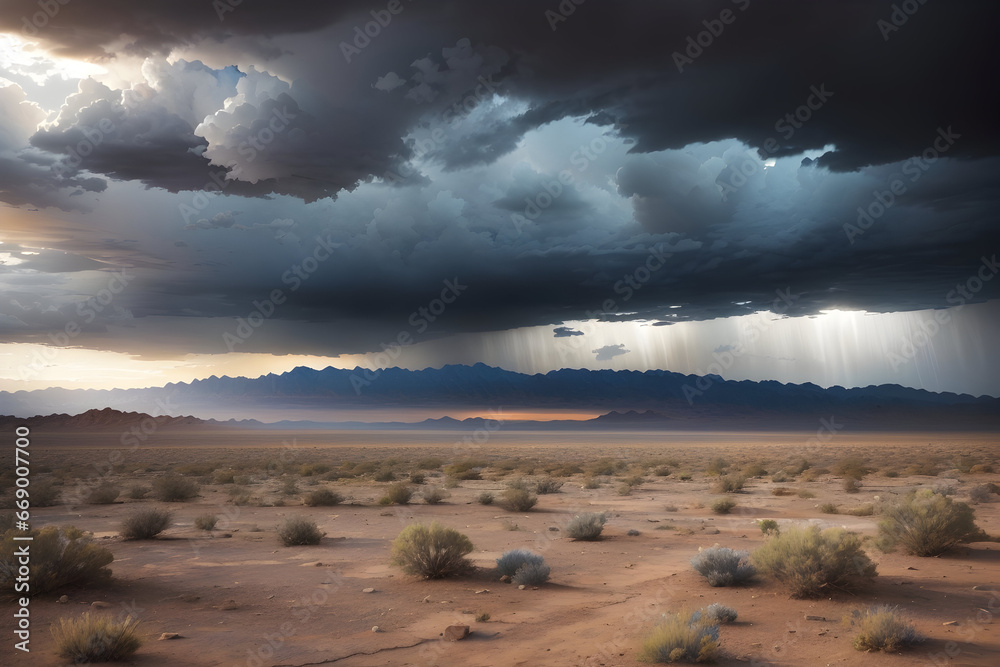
485	498
723	566
434	496
881	628
980	494
174	488
684	637
812	562
718	613
298	531
144	524
547	485
432	552
518	500
105	494
723	506
729	484
397	494
829	508
322	498
138	491
926	523
587	526
531	574
768	526
90	638
59	557
206	521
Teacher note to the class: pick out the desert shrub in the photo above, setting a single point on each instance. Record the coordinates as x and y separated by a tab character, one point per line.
851	485
829	508
863	510
964	462
797	467
881	628
174	488
44	494
417	478
144	524
224	476
684	476
96	638
852	466
59	557
591	483
531	574
485	498
196	468
290	487
927	524
781	477
385	475
434	495
723	505
322	498
926	465
239	496
466	469
753	470
717	467
310	469
768	526
806	493
397	494
661	471
604	466
980	494
138	492
719	613
206	521
981	468
783	491
891	474
510	561
429	463
587	526
105	494
945	489
812	562
729	484
547	485
298	531
723	566
684	637
432	552
518	500
812	474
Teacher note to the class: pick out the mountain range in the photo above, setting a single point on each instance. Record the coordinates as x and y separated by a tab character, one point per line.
626	399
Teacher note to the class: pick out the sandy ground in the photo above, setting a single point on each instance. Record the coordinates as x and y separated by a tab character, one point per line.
238	597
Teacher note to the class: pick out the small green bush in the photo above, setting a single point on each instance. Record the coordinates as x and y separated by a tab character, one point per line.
298	531
322	498
723	566
174	488
518	500
96	638
531	574
813	562
485	498
717	467
59	557
926	523
723	505
432	552
206	521
718	613
684	637
729	484
881	628
852	466
587	526
397	494
144	524
768	526
829	508
511	561
434	496
547	485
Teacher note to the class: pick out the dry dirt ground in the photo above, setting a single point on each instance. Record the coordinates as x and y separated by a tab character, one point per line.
238	597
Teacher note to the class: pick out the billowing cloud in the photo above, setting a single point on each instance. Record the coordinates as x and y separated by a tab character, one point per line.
609	352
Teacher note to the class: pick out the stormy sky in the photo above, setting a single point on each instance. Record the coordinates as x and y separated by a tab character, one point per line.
779	190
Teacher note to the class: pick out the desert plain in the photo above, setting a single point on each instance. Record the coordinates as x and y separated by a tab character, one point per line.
236	596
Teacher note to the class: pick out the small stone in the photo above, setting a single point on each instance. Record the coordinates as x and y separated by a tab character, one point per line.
553	528
100	605
368	590
911	568
169	635
950	623
815	618
375	628
453	633
63	599
521	587
427	598
505	579
318	564
485	590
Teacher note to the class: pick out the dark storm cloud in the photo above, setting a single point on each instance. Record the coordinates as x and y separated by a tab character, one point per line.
566	332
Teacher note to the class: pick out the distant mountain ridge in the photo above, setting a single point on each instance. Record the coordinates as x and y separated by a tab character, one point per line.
686	400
